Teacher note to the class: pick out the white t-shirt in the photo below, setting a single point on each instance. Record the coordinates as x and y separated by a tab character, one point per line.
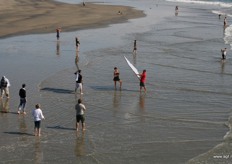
37	114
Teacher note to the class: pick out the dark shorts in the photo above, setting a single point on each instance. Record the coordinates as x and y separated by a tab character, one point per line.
142	84
116	78
37	124
80	118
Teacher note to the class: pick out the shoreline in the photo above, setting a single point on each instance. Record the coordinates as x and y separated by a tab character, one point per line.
45	16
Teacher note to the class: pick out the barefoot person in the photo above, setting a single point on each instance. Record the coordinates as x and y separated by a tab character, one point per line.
80	114
116	78
4	85
78	81
38	116
143	77
23	99
223	51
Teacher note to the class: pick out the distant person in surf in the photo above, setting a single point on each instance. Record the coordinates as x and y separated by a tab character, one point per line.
58	30
225	22
176	10
77	44
143	77
219	16
223	51
116	78
135	47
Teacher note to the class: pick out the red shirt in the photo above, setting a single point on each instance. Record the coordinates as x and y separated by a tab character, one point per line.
143	77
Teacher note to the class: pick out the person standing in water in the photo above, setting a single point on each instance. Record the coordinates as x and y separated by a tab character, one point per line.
4	85
23	99
116	78
78	81
143	77
80	114
38	116
135	47
225	22
58	30
77	44
223	51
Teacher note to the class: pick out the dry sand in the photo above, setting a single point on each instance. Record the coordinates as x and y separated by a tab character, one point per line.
40	16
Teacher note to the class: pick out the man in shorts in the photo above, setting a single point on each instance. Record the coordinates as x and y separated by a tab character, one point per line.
143	77
80	114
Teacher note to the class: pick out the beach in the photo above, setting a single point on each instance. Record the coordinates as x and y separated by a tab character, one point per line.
33	17
183	117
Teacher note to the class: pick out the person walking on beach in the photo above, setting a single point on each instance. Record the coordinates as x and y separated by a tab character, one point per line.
38	116
143	77
80	114
135	47
176	10
223	51
116	78
77	44
23	99
78	81
5	84
58	30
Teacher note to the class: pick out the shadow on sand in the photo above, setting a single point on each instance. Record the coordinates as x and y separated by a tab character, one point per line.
19	133
60	127
58	90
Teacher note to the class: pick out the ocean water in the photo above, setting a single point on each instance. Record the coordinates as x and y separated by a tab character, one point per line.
185	117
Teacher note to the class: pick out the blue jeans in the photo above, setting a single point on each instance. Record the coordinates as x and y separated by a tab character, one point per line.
22	104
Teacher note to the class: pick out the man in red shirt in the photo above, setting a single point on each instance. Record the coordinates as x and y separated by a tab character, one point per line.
143	77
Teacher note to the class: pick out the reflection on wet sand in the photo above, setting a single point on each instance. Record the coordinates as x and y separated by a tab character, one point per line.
80	149
77	60
58	48
4	105
23	128
38	152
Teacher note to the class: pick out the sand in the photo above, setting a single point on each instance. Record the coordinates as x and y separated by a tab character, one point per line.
31	17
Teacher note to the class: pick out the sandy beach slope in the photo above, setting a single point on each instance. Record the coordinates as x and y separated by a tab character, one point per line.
40	16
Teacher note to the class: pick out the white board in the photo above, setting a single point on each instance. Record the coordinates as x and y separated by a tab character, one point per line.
132	67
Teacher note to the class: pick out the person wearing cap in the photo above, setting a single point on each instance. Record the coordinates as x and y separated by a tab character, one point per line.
116	78
4	85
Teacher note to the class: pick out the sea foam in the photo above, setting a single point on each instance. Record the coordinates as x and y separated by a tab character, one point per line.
221	4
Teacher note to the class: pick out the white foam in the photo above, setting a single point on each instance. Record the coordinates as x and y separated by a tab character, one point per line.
221	4
228	36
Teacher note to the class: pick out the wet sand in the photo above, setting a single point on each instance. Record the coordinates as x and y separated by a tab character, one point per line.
29	17
178	119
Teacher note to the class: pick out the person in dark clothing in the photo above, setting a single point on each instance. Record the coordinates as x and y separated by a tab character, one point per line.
23	99
78	81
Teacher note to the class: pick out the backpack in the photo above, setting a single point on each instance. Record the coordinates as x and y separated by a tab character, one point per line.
3	83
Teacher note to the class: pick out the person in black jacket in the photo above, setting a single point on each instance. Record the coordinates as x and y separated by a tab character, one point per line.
78	81
23	99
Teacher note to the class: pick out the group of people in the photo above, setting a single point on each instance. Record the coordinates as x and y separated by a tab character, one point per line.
224	51
143	77
36	113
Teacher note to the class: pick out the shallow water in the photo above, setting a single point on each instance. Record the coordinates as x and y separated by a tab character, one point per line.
182	116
